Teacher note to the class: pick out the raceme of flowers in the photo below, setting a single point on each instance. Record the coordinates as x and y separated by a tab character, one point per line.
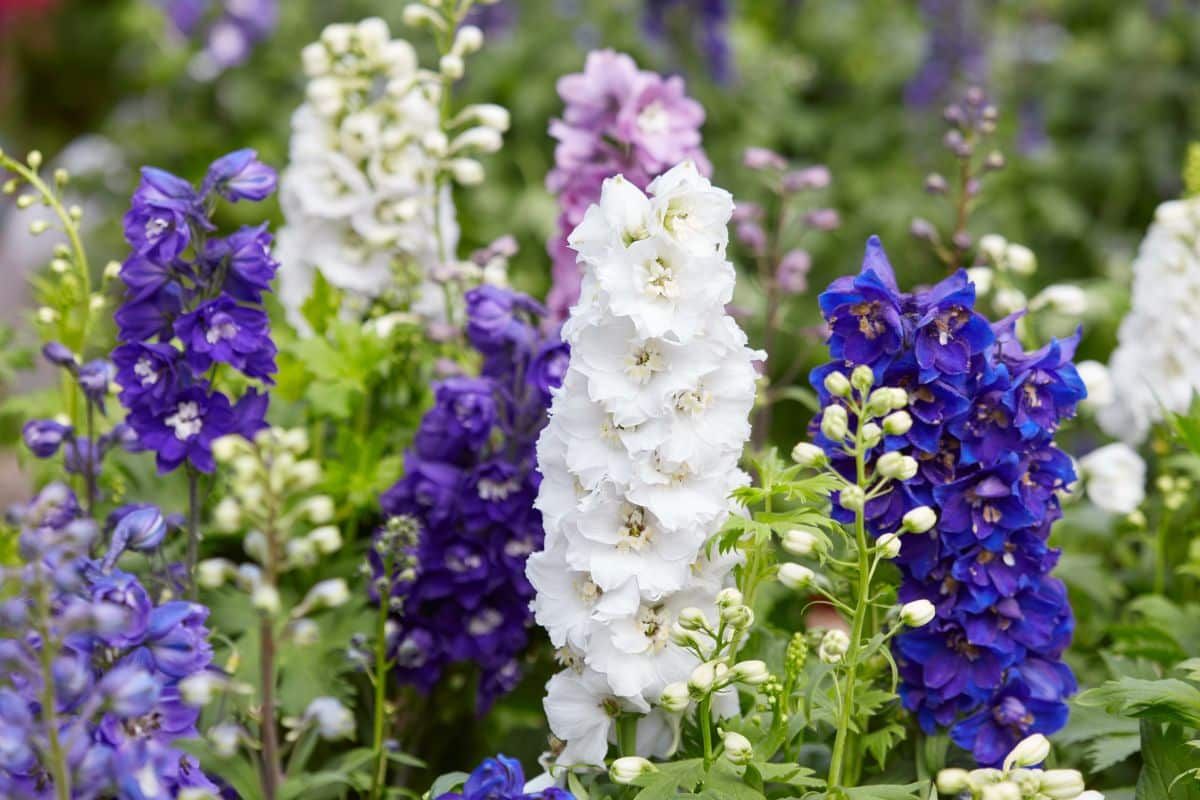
469	484
193	306
230	28
1156	365
618	120
363	194
640	456
92	665
984	417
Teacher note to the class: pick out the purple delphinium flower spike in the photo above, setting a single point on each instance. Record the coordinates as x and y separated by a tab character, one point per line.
989	667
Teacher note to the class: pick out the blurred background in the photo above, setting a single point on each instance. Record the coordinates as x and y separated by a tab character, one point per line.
1097	103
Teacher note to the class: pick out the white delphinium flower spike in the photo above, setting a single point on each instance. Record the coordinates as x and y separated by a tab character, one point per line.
640	457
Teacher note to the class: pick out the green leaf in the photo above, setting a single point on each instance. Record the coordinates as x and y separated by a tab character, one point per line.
236	771
1166	759
666	781
725	782
880	742
886	792
1167	700
791	774
322	305
448	783
576	787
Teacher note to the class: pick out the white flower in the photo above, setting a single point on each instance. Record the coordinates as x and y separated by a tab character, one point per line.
1063	298
639	459
1156	365
1115	478
332	719
1098	380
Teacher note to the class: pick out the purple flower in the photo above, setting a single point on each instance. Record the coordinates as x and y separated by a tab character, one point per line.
94	378
121	592
159	223
617	120
549	366
493	319
149	313
148	373
240	176
138	527
43	437
985	413
221	330
501	778
59	355
246	255
185	428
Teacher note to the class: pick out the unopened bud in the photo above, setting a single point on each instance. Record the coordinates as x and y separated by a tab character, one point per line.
918	613
808	455
953	781
1006	790
1062	784
897	423
896	466
837	384
919	519
692	619
889	545
751	673
795	576
627	769
1029	752
835	423
852	498
729	596
674	698
834	646
737	748
862	378
800	542
702	680
265	598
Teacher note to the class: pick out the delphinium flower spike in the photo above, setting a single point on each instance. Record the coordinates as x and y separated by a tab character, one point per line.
639	460
980	422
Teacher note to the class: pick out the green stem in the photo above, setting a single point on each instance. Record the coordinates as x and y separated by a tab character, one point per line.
627	734
381	676
271	775
1161	567
837	763
704	720
58	762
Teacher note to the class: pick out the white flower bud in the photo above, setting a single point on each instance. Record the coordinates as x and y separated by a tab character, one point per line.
468	40
837	384
326	539
880	401
304	632
918	613
316	61
318	508
198	689
919	520
1090	794
452	66
627	769
795	576
466	171
1020	259
1009	301
692	619
983	278
834	646
327	594
325	94
674	697
834	423
265	598
416	14
1063	298
862	378
808	455
751	673
294	439
47	315
490	115
337	37
737	748
800	542
1028	752
435	142
1001	791
992	245
1101	391
301	553
373	34
852	498
702	680
34	159
889	545
729	596
306	474
1062	784
227	516
953	781
225	738
112	270
683	637
213	572
333	720
897	423
255	545
897	466
872	434
481	139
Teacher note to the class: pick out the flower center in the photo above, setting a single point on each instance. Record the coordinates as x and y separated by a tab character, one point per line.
223	328
588	591
145	372
655	625
156	226
485	622
496	490
185	421
868	325
660	279
634	534
654	119
693	401
642	363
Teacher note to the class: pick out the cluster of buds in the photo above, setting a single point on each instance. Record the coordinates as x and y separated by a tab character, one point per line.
391	565
286	526
970	126
1016	780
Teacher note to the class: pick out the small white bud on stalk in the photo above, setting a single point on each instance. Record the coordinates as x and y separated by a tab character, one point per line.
479	138
675	697
255	545
1062	784
452	66
227	516
983	278
318	508
1028	752
306	474
627	769
466	171
737	748
808	455
692	619
198	690
316	61
862	378
301	553
795	576
919	520
337	37
837	384
683	637
469	39
897	423
834	646
1020	259
34	159
47	315
751	673
872	434
1001	791
835	423
918	613
889	545
38	227
897	466
729	596
294	439
800	542
304	632
213	572
265	598
417	14
112	270
953	781
326	594
992	245
332	719
852	498
702	680
373	34
225	738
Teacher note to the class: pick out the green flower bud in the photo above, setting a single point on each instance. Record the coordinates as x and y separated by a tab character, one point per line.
808	455
862	378
837	384
835	423
853	498
897	423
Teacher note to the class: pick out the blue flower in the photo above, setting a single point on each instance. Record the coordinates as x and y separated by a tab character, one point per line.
44	437
501	778
240	176
221	330
984	416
